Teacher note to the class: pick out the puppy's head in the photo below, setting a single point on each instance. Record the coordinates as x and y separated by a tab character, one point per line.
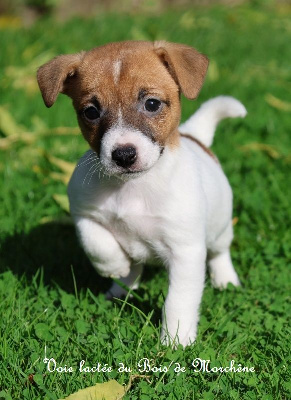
127	98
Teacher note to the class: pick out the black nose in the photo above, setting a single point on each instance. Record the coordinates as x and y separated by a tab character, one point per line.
124	156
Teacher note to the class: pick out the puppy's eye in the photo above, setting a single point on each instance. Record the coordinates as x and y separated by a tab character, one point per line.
152	105
92	113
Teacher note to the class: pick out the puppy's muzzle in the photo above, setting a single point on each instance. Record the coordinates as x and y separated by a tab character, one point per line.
124	156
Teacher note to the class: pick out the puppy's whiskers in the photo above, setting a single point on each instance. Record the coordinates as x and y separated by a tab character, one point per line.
92	157
96	167
86	164
89	172
92	173
100	169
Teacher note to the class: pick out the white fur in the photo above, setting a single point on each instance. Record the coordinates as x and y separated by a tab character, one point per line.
116	71
147	151
203	123
179	209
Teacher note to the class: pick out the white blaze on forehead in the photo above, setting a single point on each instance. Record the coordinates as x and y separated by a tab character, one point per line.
116	70
120	119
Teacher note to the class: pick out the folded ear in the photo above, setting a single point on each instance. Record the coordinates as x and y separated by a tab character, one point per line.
53	75
187	66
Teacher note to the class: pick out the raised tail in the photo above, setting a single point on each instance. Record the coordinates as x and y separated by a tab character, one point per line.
202	124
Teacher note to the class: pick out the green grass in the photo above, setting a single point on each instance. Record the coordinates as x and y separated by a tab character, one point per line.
49	293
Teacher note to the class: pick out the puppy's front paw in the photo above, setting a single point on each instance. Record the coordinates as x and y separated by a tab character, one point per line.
114	269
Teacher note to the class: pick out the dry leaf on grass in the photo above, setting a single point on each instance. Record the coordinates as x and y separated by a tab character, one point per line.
187	21
213	71
63	220
277	103
15	133
234	221
63	201
66	130
26	137
111	390
7	124
63	165
267	148
30	137
61	177
23	76
66	167
9	21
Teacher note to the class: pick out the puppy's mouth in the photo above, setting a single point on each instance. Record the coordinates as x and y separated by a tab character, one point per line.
111	169
132	174
129	172
125	173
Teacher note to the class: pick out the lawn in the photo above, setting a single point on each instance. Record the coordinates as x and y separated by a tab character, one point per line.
52	301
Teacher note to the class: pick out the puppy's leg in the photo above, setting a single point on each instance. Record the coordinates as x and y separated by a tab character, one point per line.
222	271
101	247
132	281
186	282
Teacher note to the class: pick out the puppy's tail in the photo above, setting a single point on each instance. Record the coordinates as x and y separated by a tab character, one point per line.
202	124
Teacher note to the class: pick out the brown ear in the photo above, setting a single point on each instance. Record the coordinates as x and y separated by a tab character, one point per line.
186	65
51	76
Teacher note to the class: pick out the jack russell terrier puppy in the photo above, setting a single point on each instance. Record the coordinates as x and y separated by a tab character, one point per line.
148	187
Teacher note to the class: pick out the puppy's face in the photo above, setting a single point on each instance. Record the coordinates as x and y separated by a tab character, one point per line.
127	98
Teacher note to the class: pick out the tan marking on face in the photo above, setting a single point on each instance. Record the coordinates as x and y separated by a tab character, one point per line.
119	121
141	69
113	77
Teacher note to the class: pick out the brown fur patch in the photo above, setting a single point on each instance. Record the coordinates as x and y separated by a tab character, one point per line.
187	66
94	77
203	147
159	69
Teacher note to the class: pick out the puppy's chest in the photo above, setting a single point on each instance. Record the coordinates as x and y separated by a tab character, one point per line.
133	221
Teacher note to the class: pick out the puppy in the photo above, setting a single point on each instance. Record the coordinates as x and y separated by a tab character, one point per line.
145	189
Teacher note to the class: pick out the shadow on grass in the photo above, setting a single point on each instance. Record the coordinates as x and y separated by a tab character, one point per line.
55	248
